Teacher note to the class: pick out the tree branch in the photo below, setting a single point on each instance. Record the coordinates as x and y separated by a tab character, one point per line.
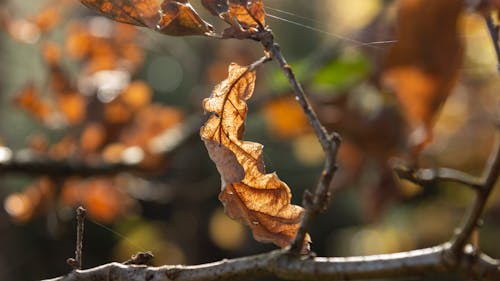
44	166
431	176
471	220
281	264
76	262
35	165
317	202
482	188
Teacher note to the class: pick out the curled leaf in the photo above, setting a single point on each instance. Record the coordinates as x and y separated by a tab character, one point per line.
250	14
260	200
179	18
245	17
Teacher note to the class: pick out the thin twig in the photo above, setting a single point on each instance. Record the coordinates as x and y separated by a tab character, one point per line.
259	62
36	166
317	202
284	266
471	220
76	262
267	40
26	162
432	176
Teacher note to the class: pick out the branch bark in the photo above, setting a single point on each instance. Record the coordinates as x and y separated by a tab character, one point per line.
285	266
431	176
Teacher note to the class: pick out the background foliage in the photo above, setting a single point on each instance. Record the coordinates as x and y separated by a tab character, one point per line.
80	88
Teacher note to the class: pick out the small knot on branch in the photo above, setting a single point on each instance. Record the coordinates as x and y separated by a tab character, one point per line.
141	258
266	37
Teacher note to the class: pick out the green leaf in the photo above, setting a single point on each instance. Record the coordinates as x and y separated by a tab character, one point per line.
342	73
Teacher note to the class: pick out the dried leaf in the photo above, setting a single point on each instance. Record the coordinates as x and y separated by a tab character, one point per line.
136	12
179	18
423	65
250	14
260	200
245	18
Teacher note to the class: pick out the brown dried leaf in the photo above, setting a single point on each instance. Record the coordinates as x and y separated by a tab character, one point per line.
136	12
179	18
250	14
260	200
423	65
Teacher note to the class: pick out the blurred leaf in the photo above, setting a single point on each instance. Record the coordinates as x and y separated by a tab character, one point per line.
137	95
33	201
138	235
28	98
279	83
92	137
260	200
47	19
225	232
342	73
149	122
285	118
104	200
421	73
